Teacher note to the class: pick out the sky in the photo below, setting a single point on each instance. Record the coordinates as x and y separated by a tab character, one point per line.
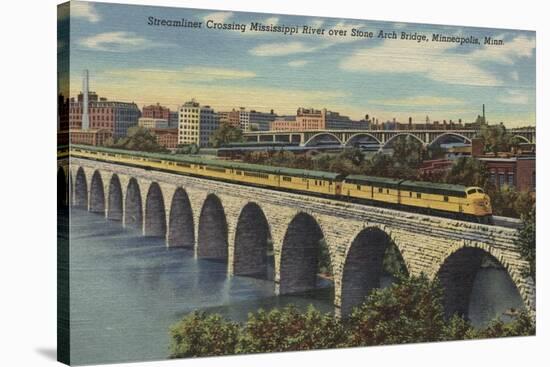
129	60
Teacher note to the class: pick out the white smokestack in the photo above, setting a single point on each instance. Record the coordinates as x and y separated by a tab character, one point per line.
85	117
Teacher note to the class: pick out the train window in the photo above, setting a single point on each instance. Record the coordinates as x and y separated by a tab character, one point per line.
359	187
387	191
418	195
480	191
380	190
471	191
445	198
410	194
286	178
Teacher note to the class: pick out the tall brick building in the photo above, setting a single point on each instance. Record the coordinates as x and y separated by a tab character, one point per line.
311	119
117	117
156	111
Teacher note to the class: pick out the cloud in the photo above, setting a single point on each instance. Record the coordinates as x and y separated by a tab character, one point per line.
117	42
514	97
519	47
514	75
218	17
174	87
320	42
272	20
430	60
434	61
188	74
85	11
298	63
282	48
429	101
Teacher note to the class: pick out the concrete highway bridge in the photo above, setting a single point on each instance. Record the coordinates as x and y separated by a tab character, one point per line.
237	224
383	138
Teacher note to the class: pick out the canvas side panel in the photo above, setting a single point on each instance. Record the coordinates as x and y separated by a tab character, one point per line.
63	183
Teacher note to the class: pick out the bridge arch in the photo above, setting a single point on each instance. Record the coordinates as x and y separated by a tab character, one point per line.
300	254
311	141
252	239
523	138
355	137
363	266
447	134
133	209
62	188
181	226
97	194
399	135
81	189
155	212
212	240
114	200
458	272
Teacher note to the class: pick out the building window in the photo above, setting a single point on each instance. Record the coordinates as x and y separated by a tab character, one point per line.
501	179
493	178
511	179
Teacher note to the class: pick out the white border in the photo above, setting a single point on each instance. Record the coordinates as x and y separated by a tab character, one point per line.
28	234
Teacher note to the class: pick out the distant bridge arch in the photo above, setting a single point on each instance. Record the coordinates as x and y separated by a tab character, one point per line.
315	139
450	134
401	135
523	138
356	138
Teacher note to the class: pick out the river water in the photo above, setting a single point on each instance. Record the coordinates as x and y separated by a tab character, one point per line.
126	291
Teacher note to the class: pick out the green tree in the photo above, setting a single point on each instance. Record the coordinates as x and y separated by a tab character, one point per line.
469	172
199	334
509	202
324	265
497	139
140	139
288	329
187	149
526	241
225	134
522	325
409	311
408	151
393	262
457	328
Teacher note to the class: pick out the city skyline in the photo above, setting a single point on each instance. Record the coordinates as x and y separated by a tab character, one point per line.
264	71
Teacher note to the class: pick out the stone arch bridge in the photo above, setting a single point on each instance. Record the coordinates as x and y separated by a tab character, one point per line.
236	223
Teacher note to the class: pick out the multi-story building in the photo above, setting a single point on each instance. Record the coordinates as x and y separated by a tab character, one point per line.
247	120
114	116
153	123
196	123
258	121
311	119
156	111
231	118
512	170
90	136
173	120
166	137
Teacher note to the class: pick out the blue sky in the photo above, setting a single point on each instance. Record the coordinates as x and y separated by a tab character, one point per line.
131	61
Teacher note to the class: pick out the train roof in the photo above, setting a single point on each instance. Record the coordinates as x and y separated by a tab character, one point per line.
373	180
220	163
433	188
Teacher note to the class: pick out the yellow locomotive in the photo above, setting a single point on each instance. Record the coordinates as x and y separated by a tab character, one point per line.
468	203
